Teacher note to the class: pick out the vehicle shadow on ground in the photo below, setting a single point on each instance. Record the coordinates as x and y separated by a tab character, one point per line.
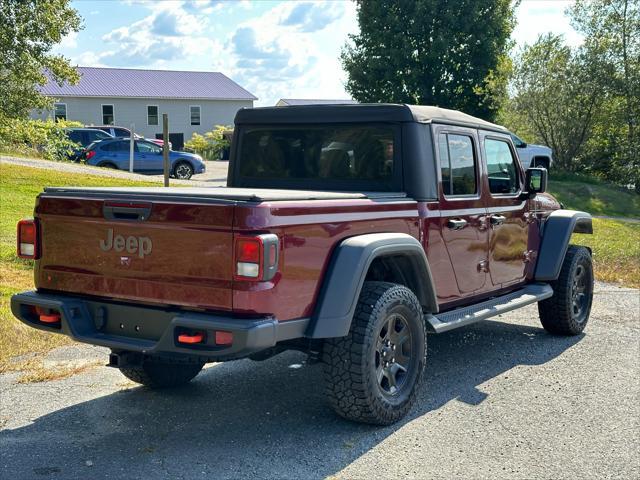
249	419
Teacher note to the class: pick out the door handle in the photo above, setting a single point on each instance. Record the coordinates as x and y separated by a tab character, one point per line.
456	223
497	219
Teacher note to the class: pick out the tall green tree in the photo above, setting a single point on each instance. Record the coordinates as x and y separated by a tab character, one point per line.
433	52
555	93
29	29
611	30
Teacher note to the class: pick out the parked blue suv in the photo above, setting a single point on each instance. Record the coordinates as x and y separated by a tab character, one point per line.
147	158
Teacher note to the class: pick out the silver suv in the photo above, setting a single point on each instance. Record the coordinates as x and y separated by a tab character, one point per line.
532	155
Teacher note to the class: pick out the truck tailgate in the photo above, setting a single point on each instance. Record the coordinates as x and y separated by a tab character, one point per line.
137	246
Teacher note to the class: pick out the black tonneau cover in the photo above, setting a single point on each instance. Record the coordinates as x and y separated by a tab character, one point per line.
204	194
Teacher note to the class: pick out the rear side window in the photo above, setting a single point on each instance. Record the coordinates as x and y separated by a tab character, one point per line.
94	135
501	167
146	147
120	132
331	157
458	164
119	146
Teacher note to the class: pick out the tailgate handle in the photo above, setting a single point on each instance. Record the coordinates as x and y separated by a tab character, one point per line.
132	211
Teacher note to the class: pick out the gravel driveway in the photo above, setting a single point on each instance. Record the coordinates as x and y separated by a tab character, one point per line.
502	399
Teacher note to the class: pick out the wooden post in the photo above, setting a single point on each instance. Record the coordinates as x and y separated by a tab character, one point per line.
131	140
165	147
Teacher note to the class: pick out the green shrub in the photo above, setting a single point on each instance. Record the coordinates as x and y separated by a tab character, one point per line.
211	144
46	138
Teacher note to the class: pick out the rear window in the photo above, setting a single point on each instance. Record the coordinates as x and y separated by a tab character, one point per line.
327	157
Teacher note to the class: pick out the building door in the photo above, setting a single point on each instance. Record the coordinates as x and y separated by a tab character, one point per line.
176	139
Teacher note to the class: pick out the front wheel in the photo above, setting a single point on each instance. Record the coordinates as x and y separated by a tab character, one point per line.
372	375
567	312
183	171
162	373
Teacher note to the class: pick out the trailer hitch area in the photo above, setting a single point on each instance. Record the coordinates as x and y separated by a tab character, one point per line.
124	359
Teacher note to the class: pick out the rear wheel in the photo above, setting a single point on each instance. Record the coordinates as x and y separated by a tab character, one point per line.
162	373
183	171
567	312
372	375
541	163
108	165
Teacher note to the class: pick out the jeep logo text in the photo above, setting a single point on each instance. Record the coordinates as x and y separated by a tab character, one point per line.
131	244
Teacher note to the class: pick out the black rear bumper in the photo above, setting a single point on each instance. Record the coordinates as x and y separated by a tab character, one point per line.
152	330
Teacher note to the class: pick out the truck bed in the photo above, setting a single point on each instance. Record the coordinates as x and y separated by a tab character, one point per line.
204	194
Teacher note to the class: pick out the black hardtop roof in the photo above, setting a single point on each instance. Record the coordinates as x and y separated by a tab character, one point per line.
361	112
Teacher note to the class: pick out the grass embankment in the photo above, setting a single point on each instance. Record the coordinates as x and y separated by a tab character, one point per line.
616	244
19	187
591	195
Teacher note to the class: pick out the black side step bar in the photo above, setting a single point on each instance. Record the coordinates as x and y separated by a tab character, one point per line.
489	308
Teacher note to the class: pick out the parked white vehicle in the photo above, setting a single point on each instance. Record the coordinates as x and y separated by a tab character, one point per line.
532	155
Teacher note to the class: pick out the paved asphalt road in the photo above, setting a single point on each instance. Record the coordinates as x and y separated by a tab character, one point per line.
502	399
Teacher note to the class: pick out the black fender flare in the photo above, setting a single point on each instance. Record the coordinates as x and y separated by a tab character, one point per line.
345	277
556	232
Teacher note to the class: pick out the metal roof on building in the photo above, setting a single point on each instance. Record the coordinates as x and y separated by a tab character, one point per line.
307	101
134	83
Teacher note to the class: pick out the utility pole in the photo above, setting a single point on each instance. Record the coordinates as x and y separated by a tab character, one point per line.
165	147
131	146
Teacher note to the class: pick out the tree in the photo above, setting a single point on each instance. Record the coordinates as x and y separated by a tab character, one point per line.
211	144
28	31
433	52
612	39
556	94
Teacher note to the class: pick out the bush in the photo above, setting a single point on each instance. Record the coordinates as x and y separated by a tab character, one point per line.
211	144
46	138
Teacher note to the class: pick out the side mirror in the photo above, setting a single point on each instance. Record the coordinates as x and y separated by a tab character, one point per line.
535	180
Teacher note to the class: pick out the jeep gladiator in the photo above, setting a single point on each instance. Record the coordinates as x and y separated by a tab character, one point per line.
346	231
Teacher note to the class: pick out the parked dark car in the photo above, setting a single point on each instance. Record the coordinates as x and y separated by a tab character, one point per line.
147	158
84	137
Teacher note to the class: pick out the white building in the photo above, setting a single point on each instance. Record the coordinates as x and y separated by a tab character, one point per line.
194	101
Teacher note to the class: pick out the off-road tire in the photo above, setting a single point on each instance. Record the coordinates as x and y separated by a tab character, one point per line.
557	313
349	363
162	374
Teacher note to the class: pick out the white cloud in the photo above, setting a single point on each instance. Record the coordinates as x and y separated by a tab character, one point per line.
291	52
168	34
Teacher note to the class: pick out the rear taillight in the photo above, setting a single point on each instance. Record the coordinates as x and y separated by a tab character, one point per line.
28	239
256	257
89	154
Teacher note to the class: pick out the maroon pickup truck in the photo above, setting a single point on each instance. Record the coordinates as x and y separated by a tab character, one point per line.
346	231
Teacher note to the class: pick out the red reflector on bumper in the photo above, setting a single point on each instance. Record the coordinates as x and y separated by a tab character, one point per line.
224	338
50	318
195	338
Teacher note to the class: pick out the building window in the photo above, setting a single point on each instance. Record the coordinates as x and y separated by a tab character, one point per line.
195	114
152	115
107	115
60	111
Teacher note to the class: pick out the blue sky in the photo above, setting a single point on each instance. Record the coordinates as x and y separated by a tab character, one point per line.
274	49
